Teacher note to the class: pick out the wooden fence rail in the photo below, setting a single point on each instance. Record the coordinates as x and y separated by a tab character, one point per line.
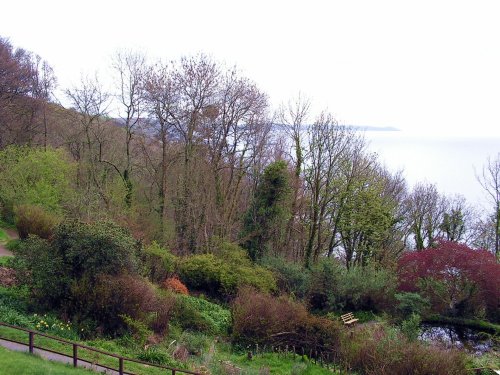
121	360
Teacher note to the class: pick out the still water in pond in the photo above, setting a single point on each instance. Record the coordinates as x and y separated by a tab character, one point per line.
450	336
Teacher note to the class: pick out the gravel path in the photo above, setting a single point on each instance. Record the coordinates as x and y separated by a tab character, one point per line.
54	357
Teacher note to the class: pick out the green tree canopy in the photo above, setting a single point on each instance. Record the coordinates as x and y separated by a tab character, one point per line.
34	176
265	221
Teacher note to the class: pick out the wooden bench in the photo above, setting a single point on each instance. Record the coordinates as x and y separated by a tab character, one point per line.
348	319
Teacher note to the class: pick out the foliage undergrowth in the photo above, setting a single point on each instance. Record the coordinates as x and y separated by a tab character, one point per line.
3	236
201	315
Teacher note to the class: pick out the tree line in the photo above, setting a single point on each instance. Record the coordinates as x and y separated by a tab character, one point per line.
190	152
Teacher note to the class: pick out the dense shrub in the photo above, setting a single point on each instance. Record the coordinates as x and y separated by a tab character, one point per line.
376	349
197	314
411	303
39	267
456	279
158	262
75	258
334	287
291	278
262	319
34	220
411	327
112	297
224	273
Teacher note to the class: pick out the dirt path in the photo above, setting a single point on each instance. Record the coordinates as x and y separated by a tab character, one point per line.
54	357
4	251
12	234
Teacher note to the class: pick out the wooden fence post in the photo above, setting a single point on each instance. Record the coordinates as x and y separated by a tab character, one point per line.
120	365
75	355
31	341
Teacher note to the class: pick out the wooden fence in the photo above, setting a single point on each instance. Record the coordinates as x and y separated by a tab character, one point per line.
121	360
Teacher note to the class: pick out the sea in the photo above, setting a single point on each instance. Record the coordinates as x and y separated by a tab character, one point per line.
450	162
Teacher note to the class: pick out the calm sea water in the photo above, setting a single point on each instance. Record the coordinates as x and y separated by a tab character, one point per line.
448	161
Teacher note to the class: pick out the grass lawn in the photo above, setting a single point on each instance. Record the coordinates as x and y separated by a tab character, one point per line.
276	364
16	363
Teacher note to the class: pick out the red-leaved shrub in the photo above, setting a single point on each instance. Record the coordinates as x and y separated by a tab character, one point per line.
175	285
455	278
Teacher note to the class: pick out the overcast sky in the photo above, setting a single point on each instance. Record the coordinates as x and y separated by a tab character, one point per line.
421	66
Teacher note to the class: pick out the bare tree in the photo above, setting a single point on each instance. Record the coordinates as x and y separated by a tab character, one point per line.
457	220
196	80
130	69
162	99
293	121
90	103
26	82
228	128
328	144
44	83
490	181
425	208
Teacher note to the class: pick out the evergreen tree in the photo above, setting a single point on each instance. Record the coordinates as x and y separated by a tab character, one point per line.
265	221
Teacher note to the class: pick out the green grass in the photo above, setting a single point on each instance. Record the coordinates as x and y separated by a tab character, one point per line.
67	349
276	364
5	261
4	238
16	363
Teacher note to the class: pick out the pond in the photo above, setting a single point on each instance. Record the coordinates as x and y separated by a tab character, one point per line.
451	336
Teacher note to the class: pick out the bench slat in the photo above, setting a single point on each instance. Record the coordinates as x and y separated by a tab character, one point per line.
348	318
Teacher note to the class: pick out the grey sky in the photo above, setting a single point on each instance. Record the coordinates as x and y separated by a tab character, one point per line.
422	66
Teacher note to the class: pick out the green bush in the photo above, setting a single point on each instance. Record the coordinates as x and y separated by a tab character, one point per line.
43	271
76	251
14	297
154	355
6	261
13	245
291	278
158	263
12	316
201	315
224	272
140	330
89	273
411	303
34	220
334	287
411	327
